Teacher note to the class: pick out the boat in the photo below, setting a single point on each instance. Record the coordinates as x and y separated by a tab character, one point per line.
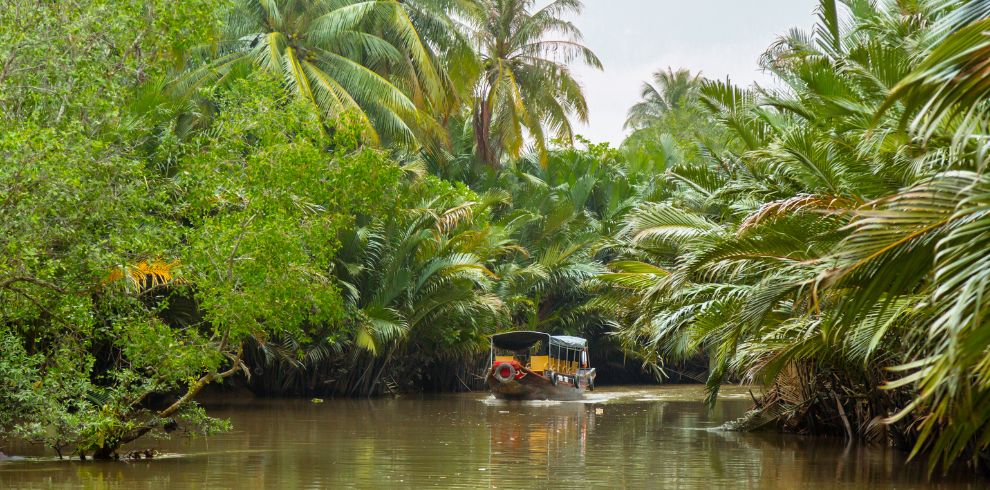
526	365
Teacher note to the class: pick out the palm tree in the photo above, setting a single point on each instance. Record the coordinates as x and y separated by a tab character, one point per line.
667	121
364	59
526	84
447	38
669	92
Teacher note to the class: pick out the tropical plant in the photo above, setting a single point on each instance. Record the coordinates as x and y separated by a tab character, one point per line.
418	292
828	248
66	180
669	124
669	92
78	64
363	58
526	88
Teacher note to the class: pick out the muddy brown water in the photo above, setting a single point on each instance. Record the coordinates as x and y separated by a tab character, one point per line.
656	437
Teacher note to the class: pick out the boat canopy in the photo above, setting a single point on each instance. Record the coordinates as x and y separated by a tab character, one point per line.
516	341
568	341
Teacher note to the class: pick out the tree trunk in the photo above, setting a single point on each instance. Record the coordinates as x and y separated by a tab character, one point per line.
482	134
110	447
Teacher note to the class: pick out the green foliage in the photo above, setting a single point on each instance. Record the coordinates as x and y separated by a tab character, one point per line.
525	81
826	248
182	183
19	396
240	231
191	192
260	195
75	63
356	57
670	126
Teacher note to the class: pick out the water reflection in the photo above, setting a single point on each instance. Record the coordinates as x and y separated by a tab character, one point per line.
621	438
521	437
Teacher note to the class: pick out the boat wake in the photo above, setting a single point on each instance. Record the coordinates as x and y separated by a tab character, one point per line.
661	393
492	401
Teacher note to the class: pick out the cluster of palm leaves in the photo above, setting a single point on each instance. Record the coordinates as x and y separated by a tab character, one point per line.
418	290
669	124
560	213
402	69
834	244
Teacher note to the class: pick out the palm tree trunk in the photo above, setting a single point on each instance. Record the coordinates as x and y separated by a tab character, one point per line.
482	134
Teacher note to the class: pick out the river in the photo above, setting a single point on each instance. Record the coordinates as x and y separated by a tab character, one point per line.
655	437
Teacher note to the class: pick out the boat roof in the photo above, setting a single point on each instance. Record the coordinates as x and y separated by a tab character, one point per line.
525	339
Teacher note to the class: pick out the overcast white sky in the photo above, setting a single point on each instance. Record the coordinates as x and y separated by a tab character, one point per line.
634	38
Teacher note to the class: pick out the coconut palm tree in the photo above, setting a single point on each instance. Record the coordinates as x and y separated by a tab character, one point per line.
668	121
348	58
447	38
526	88
669	92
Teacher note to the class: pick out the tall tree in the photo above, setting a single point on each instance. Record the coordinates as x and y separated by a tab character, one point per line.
668	120
669	91
526	86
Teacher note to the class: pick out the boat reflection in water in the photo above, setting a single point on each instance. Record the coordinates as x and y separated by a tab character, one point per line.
517	437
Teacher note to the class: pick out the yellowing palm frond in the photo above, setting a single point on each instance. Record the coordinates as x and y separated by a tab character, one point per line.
146	275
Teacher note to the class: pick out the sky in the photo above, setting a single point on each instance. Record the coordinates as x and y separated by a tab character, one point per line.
634	38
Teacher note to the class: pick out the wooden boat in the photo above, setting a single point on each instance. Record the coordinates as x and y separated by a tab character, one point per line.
529	365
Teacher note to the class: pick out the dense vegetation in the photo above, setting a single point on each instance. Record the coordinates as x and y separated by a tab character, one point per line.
831	244
346	197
